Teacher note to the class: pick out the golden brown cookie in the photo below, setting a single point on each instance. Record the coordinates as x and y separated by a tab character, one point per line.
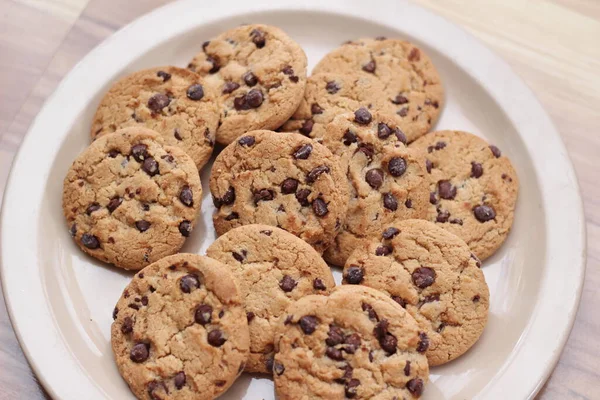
259	74
387	181
280	179
180	330
411	85
473	188
434	276
273	268
170	100
130	200
356	343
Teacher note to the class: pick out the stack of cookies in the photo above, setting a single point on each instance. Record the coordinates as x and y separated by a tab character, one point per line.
339	169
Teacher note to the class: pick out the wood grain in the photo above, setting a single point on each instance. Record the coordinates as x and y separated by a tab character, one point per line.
551	44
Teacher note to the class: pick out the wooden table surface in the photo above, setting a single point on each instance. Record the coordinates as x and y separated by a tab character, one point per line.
554	45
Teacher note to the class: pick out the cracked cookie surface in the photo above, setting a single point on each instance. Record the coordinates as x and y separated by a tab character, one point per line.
180	330
474	188
387	181
259	75
355	343
130	200
273	268
280	179
170	100
434	276
412	88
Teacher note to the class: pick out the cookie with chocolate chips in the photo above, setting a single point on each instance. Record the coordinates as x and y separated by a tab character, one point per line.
130	200
434	276
259	74
387	181
273	268
356	343
474	188
173	101
280	179
180	330
412	88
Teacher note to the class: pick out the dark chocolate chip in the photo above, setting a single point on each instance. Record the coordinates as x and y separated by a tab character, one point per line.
302	197
179	380
92	207
113	153
239	257
114	203
288	186
308	324
150	166
383	250
263	195
185	228
399	99
332	87
446	190
144	300
407	368
254	98
349	138
495	151
370	312
127	326
266	233
399	300
428	165
142	225
287	283
154	387
442	216
390	202
188	283
307	127
318	284
374	178
216	65
369	67
230	87
221	313
383	131
484	213
334	353
354	275
250	316
423	343
390	233
316	109
367	149
288	320
269	364
415	386
432	198
352	343
362	116
186	196
73	230
476	169
164	75
115	312
246	141
477	261
351	388
139	152
320	207
476	298
157	102
216	338
278	368
423	277
250	79
403	112
456	221
316	172
387	341
90	241
195	92
139	353
397	166
408	203
258	38
400	136
335	336
303	152
203	314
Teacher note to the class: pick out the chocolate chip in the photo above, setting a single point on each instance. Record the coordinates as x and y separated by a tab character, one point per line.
316	109
308	324
383	250
335	336
332	87
263	195
477	261
387	341
164	75
423	343
370	312
352	343
230	87
362	116
414	55
288	70
250	316
320	207
92	207
186	196
139	353
288	186
216	338
350	388
258	38
397	166
237	256
113	153
144	300
307	127
142	225
390	233
195	92
150	166
442	216
269	364
484	213
73	230
369	67
432	198
179	380
216	65
355	275
127	326
428	165
495	151
476	298
400	301
188	283
349	138
228	198
154	387
318	284
266	233
399	99
115	312
288	320
367	150
254	98
476	169
456	221
390	202
203	314
139	152
205	45
250	79
400	136
157	102
133	306
90	241
403	112
374	178
316	172
246	141
278	368
407	368
415	386
287	283
446	190
423	277
302	197
371	355
438	146
303	152
408	203
334	353
185	228
383	131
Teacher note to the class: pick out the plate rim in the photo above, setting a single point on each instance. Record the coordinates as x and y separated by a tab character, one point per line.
57	388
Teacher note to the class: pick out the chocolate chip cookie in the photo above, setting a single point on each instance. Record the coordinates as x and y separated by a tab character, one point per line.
387	181
130	200
356	343
273	268
259	74
173	101
280	179
412	85
473	188
180	330
434	276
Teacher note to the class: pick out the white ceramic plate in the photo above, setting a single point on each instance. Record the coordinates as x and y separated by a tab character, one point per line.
60	301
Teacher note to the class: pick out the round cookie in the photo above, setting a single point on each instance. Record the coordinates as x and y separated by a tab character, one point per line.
273	268
180	330
473	188
172	101
356	343
280	179
434	276
387	181
259	74
412	86
329	94
130	200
